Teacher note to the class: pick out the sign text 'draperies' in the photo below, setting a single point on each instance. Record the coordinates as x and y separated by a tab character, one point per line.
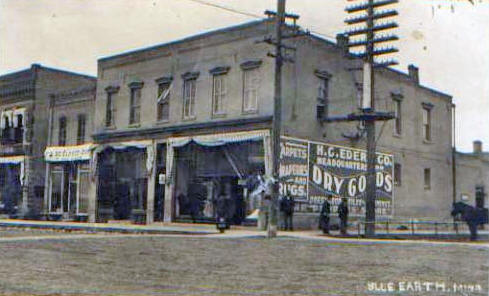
310	171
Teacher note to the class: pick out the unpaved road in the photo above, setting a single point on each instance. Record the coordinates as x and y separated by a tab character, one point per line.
176	265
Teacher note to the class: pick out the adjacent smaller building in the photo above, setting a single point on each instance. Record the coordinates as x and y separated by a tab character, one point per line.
472	180
68	155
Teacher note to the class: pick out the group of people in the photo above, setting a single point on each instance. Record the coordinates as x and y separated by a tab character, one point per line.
324	216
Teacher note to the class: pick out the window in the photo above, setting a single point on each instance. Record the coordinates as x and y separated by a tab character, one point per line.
427	122
135	106
398	118
189	98
427	178
251	83
218	94
397	174
322	94
62	131
80	136
163	101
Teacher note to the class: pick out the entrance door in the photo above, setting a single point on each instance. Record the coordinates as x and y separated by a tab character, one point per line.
159	198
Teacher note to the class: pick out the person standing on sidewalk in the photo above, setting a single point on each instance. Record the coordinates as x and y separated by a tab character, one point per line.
343	215
324	216
289	212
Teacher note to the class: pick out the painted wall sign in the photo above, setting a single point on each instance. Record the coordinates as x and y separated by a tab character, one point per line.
310	171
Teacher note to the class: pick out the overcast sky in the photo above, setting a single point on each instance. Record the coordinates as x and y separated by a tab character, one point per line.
448	40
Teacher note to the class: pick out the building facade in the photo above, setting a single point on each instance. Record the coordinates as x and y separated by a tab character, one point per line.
68	153
472	171
24	101
178	124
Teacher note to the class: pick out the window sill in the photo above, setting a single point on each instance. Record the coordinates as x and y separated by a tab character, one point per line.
219	115
134	125
161	122
251	112
427	188
189	118
429	142
396	135
112	127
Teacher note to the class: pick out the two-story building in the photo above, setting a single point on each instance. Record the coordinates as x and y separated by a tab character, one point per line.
24	102
68	154
180	123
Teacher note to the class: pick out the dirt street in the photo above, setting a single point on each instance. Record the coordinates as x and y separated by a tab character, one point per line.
158	265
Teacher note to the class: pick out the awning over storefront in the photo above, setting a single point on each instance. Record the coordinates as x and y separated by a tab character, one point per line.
148	145
68	153
215	140
12	159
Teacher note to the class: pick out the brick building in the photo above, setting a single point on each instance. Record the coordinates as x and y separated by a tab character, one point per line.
24	101
183	122
68	154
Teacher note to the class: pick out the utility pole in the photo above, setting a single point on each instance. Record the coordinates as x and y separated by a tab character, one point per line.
280	58
367	113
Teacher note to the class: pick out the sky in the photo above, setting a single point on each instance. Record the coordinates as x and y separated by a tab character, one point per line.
447	39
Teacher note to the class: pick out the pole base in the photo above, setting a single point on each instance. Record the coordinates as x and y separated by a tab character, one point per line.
272	231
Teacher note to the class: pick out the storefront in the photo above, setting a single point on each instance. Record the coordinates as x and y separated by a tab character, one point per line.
206	168
68	181
11	184
123	171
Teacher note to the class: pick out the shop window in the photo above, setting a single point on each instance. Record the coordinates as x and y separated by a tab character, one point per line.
427	178
83	191
62	131
189	89
56	197
479	196
82	121
427	121
163	107
251	84
397	174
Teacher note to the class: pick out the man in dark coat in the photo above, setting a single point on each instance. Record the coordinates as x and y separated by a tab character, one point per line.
289	205
343	215
324	216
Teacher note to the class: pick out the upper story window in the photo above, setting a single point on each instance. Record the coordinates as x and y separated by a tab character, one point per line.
163	100
62	131
80	135
219	89
189	89
135	103
397	174
427	121
251	85
12	124
110	106
322	106
427	178
397	101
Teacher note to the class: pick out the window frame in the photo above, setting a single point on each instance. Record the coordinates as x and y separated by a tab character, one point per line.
111	91
397	174
427	126
81	129
189	94
427	178
62	130
163	81
397	100
135	98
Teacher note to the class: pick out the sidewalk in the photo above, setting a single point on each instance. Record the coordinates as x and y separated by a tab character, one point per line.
155	228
